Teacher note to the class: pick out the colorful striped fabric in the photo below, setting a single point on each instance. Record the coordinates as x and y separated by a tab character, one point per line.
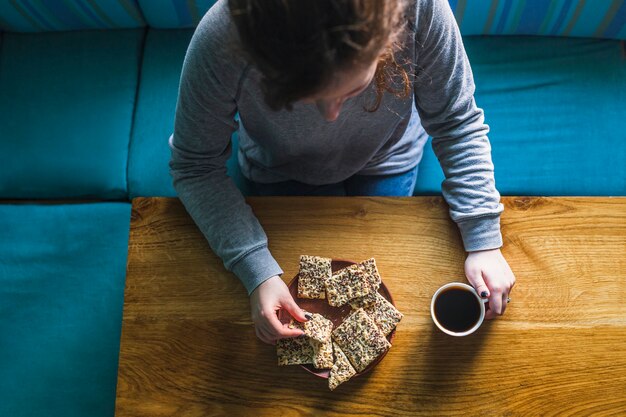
62	15
168	14
580	18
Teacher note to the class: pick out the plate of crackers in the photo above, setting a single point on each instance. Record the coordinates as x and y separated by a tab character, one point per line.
352	319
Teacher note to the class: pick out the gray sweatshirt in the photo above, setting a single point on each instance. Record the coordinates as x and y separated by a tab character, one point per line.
217	82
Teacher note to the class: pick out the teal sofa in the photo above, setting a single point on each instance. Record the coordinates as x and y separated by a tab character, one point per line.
87	96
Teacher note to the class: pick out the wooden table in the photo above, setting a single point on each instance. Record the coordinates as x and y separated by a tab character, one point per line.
188	346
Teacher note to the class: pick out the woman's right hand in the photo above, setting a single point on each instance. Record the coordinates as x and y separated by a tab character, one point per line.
269	297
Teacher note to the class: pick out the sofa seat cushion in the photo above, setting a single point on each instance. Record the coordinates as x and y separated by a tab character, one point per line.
62	273
66	105
556	111
148	166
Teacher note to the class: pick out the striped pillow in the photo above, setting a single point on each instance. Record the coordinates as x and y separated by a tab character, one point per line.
581	18
166	14
62	15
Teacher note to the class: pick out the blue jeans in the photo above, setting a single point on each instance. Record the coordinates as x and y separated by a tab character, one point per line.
398	185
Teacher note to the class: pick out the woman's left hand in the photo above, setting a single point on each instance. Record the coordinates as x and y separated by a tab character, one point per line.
491	276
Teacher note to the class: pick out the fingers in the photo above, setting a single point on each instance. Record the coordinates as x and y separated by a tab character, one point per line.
265	300
271	340
261	334
503	280
492	313
495	302
278	329
491	276
290	305
475	277
271	329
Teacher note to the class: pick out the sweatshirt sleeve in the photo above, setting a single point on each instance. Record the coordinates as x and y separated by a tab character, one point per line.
201	145
444	97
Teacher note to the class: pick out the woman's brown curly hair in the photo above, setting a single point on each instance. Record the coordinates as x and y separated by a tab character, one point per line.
298	45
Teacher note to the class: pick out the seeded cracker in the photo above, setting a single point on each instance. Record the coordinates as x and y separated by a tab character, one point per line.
313	272
384	314
360	339
322	354
318	328
371	272
365	301
341	371
294	324
294	351
347	284
373	277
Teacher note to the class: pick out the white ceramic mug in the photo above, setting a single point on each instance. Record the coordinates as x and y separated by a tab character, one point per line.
465	287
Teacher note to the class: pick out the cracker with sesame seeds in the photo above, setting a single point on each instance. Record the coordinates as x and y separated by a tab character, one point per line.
384	314
318	328
373	277
294	351
314	271
347	284
365	301
341	371
360	339
322	354
371	272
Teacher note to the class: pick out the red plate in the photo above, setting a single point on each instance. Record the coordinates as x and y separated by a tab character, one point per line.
334	314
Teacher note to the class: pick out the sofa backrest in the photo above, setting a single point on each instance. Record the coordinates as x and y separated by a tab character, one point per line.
86	114
174	14
67	15
579	18
48	16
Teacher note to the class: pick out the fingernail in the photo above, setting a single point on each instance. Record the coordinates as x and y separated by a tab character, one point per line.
308	316
484	294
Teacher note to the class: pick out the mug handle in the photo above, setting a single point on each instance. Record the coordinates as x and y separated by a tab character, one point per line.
485	300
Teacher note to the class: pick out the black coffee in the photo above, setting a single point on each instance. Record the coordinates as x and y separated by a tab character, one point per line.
457	309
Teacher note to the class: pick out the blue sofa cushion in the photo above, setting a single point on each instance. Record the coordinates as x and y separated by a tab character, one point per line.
557	115
62	272
554	105
44	16
66	106
148	169
171	14
581	18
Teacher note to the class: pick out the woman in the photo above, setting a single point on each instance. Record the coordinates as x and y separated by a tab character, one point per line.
335	97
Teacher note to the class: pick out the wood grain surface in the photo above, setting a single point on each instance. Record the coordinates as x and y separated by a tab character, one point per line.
188	346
